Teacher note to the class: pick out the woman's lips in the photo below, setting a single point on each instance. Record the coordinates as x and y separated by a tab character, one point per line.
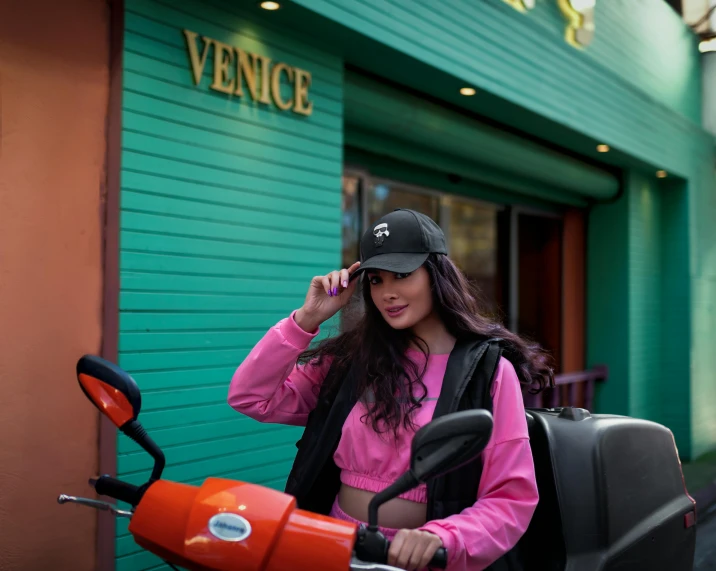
395	310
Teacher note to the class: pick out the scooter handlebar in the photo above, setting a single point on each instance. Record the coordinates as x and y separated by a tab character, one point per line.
113	488
372	547
439	560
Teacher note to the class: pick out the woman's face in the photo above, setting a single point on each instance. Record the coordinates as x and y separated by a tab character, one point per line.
402	299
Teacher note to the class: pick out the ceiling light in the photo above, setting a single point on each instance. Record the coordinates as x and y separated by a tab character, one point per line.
603	148
707	45
467	91
661	174
270	5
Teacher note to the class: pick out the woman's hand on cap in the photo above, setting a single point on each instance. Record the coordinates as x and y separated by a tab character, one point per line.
326	295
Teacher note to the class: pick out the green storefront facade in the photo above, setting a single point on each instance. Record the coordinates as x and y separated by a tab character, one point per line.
238	175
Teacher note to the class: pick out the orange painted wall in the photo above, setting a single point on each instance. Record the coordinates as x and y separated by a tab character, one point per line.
54	84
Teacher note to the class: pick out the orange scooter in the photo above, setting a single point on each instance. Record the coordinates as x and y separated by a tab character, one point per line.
227	525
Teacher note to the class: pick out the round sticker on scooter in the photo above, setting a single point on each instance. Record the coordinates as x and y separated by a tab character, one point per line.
229	527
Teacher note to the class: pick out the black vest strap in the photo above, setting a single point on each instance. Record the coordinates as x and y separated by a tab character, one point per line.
315	479
462	369
468	378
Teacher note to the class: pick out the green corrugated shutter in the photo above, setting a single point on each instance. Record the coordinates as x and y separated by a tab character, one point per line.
394	123
228	208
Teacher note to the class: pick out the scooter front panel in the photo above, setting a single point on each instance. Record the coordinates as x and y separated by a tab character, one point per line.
310	542
233	526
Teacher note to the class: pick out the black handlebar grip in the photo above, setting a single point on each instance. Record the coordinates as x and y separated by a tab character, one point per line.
122	491
439	560
372	547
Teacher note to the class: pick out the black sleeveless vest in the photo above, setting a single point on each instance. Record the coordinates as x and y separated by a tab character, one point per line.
315	479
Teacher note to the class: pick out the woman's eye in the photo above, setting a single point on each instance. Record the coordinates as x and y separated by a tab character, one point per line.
374	280
402	276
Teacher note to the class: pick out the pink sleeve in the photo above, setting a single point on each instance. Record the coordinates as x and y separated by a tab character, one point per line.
507	495
269	386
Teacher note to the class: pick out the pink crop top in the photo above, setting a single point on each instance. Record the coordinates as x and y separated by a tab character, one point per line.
270	387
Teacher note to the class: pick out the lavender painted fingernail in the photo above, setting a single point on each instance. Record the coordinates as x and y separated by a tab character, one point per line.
330	293
345	283
335	291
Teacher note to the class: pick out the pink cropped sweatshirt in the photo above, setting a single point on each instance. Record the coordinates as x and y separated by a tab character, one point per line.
269	386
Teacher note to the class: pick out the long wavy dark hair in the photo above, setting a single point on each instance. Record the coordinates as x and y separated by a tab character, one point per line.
378	352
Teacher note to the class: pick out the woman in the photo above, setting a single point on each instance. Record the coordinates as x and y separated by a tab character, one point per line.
418	305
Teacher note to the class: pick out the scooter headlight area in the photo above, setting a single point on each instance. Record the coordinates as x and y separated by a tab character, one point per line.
612	497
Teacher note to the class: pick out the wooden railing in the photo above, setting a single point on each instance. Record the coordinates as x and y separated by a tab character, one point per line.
571	389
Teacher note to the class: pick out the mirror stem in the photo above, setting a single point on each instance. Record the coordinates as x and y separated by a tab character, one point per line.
406	482
137	433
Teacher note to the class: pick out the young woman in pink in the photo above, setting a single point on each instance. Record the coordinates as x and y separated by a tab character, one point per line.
418	307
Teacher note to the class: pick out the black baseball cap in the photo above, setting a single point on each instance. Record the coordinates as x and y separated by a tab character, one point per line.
400	242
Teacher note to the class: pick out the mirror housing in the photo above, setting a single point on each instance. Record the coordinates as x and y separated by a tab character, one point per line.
110	389
116	394
442	445
448	442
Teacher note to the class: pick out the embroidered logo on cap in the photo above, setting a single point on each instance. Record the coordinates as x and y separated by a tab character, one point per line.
380	232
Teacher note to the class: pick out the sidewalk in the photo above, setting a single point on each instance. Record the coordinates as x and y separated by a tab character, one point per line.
700	477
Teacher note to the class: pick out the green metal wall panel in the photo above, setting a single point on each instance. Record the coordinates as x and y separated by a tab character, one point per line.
638	304
645	310
618	45
228	208
703	302
676	394
608	302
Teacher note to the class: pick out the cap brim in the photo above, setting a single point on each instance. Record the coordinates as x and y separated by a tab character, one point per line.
399	263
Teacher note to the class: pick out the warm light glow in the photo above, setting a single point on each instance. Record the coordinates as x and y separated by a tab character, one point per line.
661	174
707	45
467	91
603	148
270	5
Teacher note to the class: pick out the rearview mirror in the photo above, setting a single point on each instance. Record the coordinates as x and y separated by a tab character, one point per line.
448	442
440	446
111	389
117	396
